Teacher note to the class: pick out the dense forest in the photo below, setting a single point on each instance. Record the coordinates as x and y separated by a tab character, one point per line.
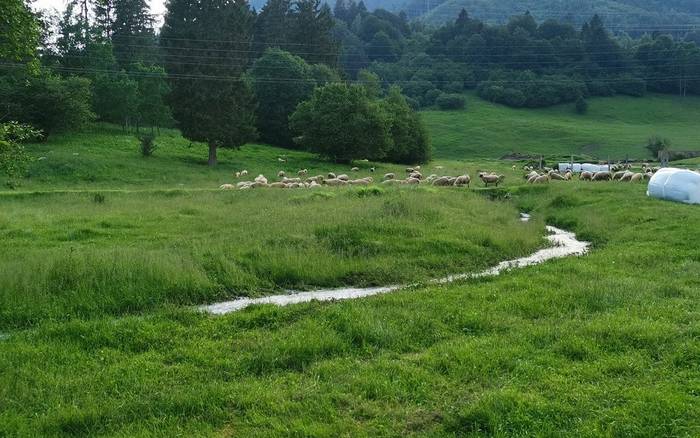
226	74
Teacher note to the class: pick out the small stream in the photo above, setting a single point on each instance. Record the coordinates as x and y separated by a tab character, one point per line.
563	244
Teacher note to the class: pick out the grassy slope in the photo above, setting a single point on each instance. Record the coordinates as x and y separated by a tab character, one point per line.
602	345
613	127
577	347
68	256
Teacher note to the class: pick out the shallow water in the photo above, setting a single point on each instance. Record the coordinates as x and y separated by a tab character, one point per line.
564	244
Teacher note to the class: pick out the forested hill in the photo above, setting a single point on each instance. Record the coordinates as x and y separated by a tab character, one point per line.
631	15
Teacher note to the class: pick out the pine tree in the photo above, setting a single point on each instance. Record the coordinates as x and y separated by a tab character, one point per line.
133	34
272	25
103	10
210	101
311	33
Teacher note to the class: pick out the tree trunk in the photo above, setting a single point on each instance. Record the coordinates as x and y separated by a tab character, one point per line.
212	154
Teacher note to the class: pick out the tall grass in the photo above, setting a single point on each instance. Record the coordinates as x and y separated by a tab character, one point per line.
68	256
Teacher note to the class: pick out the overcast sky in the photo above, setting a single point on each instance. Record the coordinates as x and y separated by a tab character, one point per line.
157	6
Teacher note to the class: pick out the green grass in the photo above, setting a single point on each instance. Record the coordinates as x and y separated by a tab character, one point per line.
600	345
105	253
69	256
613	128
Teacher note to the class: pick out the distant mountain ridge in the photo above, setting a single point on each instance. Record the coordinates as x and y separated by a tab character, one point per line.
634	15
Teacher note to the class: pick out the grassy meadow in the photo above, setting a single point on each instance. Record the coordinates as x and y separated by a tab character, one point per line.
615	128
106	253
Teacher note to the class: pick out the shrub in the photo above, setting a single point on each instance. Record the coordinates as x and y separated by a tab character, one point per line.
657	144
431	96
450	102
13	158
147	144
630	86
581	105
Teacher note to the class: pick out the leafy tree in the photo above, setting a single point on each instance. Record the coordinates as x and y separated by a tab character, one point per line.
371	82
450	101
322	74
272	26
115	98
211	102
19	31
410	142
103	11
13	158
46	101
342	123
657	144
382	48
277	99
153	91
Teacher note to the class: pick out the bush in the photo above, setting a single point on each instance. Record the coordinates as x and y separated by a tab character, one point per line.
581	105
630	86
450	102
657	144
431	96
13	158
147	144
48	102
410	143
526	89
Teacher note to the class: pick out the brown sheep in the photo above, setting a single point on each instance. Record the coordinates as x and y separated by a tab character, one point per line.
586	176
637	177
544	179
556	177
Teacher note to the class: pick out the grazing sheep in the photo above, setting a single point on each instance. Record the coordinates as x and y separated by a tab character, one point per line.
257	184
568	175
432	177
490	178
335	182
281	160
532	179
331	175
618	175
412	181
244	173
389	176
556	177
410	170
462	180
303	172
531	174
544	179
360	182
260	179
602	176
637	177
439	167
355	169
238	175
443	181
227	187
372	169
586	176
627	176
344	177
393	181
317	179
416	168
416	175
314	184
278	185
281	174
291	180
513	167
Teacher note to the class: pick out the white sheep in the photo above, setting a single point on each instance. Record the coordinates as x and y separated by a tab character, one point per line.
355	169
303	172
462	180
227	187
244	173
343	177
260	179
331	175
389	176
281	174
335	182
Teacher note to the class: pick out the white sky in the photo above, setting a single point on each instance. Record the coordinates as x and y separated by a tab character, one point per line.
157	7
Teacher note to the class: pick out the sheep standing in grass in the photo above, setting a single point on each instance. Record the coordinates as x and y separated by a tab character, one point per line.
412	181
490	178
389	176
637	177
602	176
372	169
416	175
227	187
335	182
568	175
244	173
237	175
303	172
343	177
281	174
533	177
278	185
260	179
355	169
544	179
618	175
393	181
331	175
410	170
556	177
462	180
627	176
531	174
361	182
586	176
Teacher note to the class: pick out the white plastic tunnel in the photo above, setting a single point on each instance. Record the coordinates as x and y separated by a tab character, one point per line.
679	185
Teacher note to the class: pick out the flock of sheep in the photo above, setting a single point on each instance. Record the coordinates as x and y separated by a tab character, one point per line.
413	176
619	172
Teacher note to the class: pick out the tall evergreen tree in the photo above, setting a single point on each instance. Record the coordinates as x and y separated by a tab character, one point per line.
311	33
103	11
133	33
272	25
211	102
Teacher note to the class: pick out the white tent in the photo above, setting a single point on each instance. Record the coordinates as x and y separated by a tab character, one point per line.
678	185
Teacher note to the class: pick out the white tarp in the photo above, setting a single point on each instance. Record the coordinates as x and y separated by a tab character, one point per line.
678	185
585	167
